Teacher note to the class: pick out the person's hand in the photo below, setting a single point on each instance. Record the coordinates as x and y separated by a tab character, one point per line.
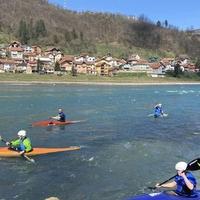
181	173
21	152
7	143
158	185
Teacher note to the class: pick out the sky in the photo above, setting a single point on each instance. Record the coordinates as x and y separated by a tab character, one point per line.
183	14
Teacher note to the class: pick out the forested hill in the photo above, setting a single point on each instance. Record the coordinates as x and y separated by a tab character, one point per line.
38	22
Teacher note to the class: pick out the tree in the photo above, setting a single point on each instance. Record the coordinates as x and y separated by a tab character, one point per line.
74	34
55	39
31	29
39	67
40	29
81	36
74	70
57	66
23	32
197	65
158	24
166	23
177	70
67	36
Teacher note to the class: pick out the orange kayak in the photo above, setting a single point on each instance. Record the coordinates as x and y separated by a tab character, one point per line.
5	152
52	123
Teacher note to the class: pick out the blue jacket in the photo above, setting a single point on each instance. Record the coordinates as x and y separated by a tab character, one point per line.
182	189
62	116
158	111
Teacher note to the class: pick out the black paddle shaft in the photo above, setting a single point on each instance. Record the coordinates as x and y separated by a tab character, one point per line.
192	166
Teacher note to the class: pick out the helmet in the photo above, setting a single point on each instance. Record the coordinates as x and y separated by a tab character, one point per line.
159	104
181	166
22	133
60	110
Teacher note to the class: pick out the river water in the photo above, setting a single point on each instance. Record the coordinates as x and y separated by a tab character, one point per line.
123	150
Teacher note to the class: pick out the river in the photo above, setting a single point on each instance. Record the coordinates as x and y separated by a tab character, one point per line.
123	149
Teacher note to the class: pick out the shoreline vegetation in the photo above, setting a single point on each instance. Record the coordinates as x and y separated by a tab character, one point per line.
136	79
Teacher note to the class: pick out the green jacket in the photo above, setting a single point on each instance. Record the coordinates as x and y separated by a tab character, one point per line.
26	142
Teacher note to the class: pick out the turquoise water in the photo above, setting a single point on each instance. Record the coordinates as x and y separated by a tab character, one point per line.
123	150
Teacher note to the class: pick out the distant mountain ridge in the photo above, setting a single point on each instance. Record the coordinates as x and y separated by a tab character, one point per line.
90	32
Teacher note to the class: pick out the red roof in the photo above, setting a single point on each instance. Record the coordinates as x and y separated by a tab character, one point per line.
19	49
154	65
6	61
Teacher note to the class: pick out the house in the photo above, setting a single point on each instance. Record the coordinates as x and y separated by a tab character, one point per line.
141	66
45	63
66	63
21	68
111	61
30	56
85	64
7	65
54	54
3	52
190	67
32	66
16	52
37	50
158	70
103	68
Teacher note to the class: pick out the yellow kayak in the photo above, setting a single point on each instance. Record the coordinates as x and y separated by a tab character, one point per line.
6	152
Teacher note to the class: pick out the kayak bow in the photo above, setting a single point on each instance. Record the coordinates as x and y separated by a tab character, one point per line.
6	152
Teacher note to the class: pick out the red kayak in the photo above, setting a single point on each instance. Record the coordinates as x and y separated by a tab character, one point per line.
6	152
53	123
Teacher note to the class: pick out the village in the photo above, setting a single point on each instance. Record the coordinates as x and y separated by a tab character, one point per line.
18	58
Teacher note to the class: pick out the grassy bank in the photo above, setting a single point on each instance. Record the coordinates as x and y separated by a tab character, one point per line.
120	78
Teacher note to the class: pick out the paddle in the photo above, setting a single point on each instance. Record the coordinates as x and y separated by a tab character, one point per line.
192	166
23	155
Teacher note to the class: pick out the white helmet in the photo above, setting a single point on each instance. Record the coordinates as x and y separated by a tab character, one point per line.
160	105
22	133
181	166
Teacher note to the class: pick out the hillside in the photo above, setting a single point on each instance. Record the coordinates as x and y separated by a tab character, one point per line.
38	22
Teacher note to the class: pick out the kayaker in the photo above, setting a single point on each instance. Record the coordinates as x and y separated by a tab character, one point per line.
184	183
21	144
158	110
60	117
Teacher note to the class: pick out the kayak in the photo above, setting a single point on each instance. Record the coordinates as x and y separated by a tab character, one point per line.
6	152
53	123
164	196
164	115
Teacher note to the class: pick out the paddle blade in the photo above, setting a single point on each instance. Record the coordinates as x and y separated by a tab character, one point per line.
194	165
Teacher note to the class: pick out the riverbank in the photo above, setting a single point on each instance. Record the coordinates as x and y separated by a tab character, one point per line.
96	83
27	79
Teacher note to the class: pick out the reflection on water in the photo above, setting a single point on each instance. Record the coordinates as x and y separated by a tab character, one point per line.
123	150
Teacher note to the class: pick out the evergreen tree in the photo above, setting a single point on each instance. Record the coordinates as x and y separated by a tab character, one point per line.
197	65
55	39
31	29
158	24
81	36
23	32
57	66
39	67
177	70
40	29
74	34
67	36
166	23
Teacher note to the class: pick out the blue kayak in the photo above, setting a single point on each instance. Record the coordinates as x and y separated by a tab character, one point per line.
163	196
